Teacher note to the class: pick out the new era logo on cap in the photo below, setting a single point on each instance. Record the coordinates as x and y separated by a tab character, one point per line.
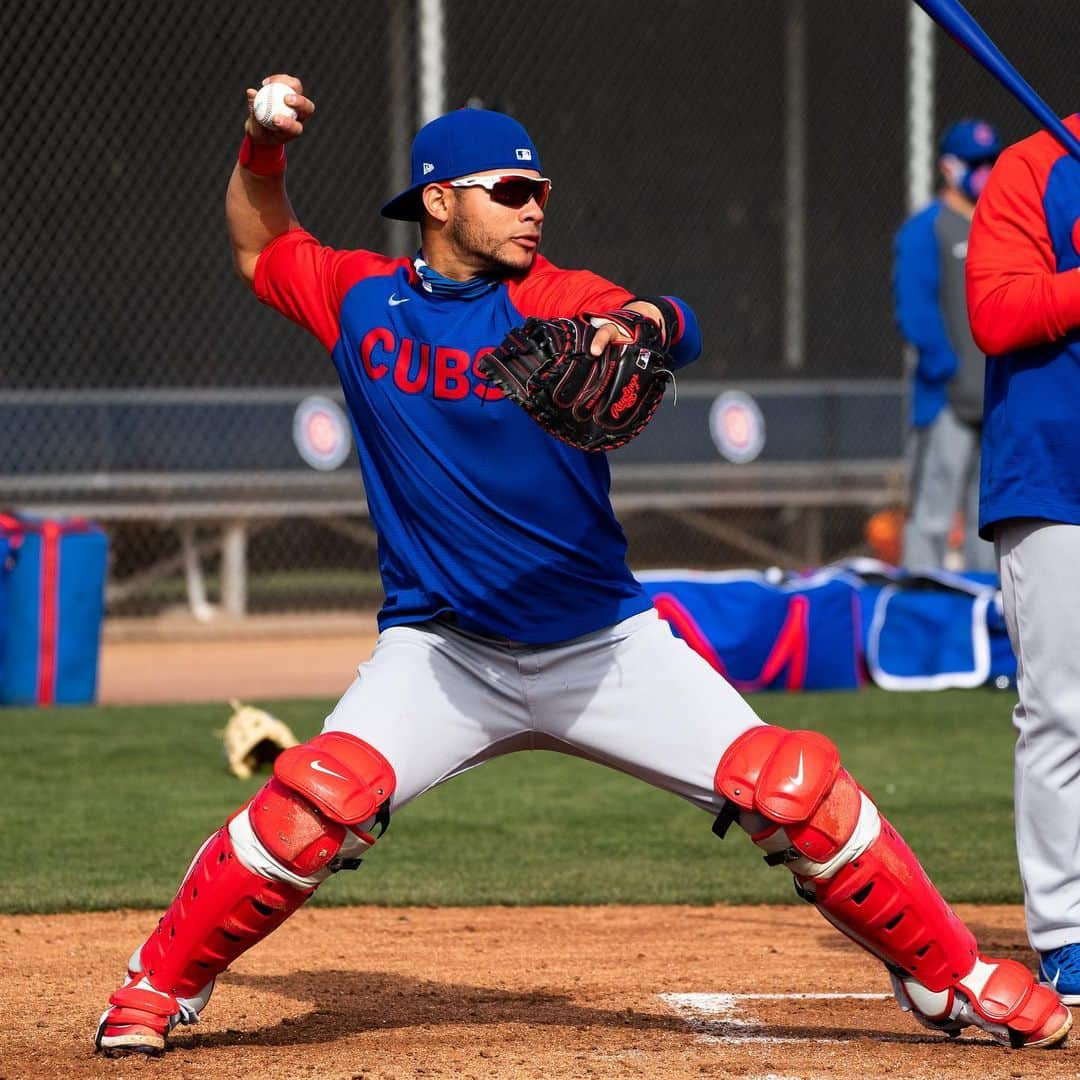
461	143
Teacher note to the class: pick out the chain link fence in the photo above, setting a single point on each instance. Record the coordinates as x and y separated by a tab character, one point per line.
751	156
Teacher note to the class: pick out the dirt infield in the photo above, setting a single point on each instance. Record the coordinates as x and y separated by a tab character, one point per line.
384	994
144	662
659	992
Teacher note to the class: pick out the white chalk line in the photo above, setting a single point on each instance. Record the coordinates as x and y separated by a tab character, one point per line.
714	1017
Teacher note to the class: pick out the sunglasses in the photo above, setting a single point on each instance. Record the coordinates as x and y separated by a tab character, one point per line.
513	191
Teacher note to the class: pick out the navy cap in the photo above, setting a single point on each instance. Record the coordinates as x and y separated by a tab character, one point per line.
457	144
971	140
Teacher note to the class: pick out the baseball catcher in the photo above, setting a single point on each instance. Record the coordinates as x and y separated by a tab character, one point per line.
594	400
511	618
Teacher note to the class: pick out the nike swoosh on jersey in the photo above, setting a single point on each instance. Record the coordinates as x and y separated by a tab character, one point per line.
319	767
395	299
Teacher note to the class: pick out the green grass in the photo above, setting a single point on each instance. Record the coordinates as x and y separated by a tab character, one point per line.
103	808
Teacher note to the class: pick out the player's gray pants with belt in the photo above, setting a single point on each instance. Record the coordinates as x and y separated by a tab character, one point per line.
436	701
1039	564
944	479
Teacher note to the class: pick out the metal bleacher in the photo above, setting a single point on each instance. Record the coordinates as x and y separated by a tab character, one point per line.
224	461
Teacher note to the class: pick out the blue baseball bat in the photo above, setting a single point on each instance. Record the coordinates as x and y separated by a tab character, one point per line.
958	23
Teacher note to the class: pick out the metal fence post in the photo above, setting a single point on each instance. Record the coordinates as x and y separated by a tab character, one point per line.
234	568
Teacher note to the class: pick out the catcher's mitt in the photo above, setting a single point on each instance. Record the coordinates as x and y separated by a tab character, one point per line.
253	738
591	402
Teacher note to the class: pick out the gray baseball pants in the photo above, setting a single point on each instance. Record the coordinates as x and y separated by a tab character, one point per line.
1039	564
944	478
436	701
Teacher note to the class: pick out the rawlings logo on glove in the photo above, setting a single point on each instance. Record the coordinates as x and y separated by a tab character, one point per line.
628	398
591	402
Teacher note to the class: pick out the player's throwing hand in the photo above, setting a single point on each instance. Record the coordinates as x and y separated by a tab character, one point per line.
283	128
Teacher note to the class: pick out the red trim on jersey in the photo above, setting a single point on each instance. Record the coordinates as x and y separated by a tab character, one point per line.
547	292
1016	297
307	282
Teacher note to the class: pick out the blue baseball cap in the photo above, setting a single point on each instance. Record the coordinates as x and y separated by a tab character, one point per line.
457	144
971	140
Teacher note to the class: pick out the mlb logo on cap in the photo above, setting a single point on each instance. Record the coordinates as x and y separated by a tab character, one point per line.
457	144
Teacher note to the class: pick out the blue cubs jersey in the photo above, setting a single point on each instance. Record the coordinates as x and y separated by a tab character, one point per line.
1023	289
482	516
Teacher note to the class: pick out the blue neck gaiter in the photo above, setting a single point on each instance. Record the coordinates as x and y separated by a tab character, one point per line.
439	285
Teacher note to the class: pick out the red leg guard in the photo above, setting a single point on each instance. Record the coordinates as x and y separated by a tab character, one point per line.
1009	997
300	817
806	811
847	860
248	879
344	777
884	901
293	830
220	911
137	1021
135	1006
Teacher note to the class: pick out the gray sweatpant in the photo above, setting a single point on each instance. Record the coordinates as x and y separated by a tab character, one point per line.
436	701
1039	564
944	478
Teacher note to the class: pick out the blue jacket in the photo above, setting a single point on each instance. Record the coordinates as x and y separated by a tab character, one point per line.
916	291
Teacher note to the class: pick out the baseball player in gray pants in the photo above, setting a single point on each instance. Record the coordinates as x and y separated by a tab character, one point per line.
1023	278
947	383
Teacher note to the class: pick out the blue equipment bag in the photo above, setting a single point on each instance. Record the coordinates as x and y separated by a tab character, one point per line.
9	547
765	634
55	605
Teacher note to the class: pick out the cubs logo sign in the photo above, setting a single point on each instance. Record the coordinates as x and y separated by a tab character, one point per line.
737	426
321	433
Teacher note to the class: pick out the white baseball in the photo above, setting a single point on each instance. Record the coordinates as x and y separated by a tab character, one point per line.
270	102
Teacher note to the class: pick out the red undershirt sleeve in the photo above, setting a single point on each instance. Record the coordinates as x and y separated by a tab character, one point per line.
306	281
1016	298
551	293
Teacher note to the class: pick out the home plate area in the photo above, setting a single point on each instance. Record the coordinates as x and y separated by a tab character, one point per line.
765	1018
800	1018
